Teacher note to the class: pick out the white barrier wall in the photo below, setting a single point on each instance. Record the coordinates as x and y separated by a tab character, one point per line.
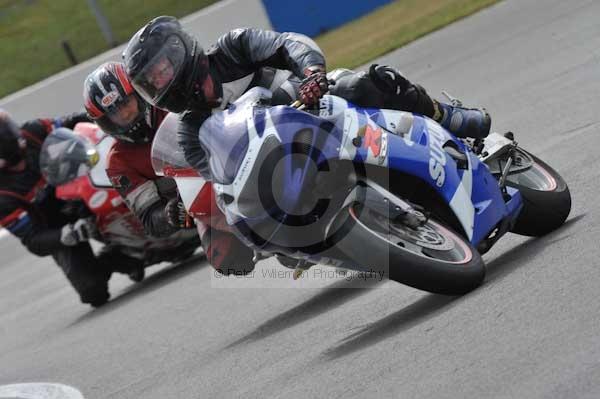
62	93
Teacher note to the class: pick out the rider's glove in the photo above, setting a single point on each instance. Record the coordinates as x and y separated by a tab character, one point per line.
313	86
80	231
177	216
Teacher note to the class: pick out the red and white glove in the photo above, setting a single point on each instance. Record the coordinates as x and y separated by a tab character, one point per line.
314	86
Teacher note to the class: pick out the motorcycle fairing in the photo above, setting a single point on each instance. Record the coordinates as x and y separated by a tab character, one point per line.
409	143
414	145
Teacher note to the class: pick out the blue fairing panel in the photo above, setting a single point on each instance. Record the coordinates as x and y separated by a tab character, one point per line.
472	193
324	145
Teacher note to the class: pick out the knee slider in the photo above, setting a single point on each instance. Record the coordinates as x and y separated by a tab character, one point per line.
388	80
399	92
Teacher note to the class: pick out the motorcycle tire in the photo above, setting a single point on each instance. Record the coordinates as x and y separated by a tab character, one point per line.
431	258
546	198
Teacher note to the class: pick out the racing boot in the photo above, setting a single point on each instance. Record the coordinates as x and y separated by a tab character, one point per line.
462	122
137	275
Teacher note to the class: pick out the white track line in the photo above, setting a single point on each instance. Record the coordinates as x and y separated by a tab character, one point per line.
39	391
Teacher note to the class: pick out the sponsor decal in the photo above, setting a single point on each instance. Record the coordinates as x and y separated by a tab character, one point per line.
437	156
384	148
375	141
325	107
246	167
98	199
371	139
110	98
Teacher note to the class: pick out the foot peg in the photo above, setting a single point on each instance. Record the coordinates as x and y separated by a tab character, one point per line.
137	275
300	268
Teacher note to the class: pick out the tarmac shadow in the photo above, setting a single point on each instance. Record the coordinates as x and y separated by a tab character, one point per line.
151	283
431	304
515	257
332	296
417	312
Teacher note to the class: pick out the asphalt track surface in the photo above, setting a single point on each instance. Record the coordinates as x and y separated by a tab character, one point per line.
531	331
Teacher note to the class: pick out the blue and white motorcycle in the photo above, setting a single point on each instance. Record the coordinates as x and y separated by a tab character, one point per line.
367	189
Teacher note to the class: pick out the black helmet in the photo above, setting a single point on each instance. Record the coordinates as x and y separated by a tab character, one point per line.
166	65
113	104
66	156
11	142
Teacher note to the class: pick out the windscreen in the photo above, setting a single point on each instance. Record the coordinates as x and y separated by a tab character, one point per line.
167	157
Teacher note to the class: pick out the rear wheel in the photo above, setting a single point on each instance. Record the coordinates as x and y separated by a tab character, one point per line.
546	196
429	257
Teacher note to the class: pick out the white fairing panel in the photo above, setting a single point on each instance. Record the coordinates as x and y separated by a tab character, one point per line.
98	174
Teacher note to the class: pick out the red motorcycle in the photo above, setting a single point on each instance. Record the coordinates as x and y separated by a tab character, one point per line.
75	163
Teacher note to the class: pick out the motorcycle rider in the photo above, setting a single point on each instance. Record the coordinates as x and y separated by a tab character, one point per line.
119	111
46	225
169	69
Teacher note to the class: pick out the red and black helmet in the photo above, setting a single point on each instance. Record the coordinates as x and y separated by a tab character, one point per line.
11	142
112	103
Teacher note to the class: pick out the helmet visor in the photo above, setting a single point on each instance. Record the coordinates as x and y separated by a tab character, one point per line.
158	75
125	114
66	156
126	121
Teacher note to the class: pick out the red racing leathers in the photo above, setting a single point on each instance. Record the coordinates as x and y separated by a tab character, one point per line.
130	171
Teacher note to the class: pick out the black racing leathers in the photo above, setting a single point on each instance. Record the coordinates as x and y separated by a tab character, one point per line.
246	58
24	194
30	210
240	60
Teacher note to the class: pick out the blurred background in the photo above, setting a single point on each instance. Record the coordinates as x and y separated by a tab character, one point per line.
39	38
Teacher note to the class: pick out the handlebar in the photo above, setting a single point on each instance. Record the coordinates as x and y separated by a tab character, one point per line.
298	105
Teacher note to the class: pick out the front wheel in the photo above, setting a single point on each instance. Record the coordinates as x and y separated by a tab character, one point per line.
546	196
430	257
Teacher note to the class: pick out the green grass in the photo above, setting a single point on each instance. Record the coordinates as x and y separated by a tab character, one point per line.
31	32
390	27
